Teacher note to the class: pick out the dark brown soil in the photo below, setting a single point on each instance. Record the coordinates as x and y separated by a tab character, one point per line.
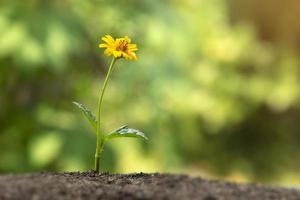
88	185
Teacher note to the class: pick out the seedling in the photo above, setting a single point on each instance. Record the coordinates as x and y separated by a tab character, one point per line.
117	48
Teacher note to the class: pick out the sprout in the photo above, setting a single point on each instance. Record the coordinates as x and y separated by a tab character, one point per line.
118	48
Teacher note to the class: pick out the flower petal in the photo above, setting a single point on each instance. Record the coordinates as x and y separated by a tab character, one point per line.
117	54
127	39
108	39
108	51
103	45
133	56
132	47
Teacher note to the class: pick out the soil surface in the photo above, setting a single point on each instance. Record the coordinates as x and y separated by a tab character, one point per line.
88	185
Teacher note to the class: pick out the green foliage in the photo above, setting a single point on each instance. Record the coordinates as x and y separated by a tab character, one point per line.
212	95
124	131
88	114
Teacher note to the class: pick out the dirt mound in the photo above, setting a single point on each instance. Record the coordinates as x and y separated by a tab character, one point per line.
88	185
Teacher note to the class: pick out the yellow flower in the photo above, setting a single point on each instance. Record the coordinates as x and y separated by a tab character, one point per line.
119	47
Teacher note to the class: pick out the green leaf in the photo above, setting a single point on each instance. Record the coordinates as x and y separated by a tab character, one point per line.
87	113
124	131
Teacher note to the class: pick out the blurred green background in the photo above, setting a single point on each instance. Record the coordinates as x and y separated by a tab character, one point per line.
216	87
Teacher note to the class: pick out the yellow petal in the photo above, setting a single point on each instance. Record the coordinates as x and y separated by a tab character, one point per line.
132	47
108	52
103	46
108	39
132	56
126	38
118	40
117	54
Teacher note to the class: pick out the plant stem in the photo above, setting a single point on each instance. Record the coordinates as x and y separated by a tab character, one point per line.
100	136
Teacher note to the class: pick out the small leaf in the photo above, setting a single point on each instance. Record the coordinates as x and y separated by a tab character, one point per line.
88	114
124	131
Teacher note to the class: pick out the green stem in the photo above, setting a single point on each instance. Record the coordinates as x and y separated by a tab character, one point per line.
100	136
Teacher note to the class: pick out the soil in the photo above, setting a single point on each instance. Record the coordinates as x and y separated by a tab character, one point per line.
140	186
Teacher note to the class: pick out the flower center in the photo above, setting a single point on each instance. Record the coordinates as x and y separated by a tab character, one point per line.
122	45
